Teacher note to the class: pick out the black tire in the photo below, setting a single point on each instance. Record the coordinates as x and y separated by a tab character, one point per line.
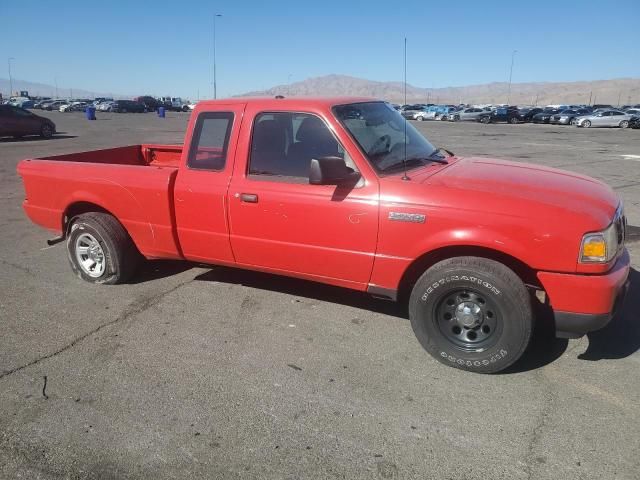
120	255
586	124
46	131
624	124
485	120
504	314
513	120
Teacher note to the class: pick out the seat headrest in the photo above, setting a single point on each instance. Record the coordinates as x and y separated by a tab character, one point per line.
269	135
312	129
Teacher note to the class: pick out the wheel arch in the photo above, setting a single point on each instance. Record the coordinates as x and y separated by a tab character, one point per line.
80	207
428	259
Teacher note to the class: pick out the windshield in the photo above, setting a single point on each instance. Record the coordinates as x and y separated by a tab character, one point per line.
385	137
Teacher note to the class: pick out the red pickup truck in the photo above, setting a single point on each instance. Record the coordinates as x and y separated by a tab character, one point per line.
344	191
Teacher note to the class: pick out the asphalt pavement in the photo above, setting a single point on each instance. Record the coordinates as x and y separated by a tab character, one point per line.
193	371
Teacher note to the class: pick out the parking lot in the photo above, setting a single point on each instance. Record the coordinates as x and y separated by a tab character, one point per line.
194	371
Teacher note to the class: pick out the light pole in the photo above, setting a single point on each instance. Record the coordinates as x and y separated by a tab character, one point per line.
215	90
10	78
513	54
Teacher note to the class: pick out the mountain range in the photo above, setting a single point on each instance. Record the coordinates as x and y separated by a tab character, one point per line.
623	90
613	91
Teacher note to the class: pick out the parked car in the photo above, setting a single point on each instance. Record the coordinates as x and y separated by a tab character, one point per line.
545	115
607	118
568	117
18	122
634	122
467	114
501	115
448	113
471	271
124	106
632	111
527	116
151	104
74	107
55	105
105	106
602	106
38	103
410	111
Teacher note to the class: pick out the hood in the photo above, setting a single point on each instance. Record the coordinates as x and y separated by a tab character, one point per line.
523	189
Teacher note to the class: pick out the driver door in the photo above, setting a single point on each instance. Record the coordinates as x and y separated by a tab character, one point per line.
280	222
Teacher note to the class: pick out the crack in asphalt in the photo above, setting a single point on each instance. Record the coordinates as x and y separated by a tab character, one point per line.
16	266
538	428
135	308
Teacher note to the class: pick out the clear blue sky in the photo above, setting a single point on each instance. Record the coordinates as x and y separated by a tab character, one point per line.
164	47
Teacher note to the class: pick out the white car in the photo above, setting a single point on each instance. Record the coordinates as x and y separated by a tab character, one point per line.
105	106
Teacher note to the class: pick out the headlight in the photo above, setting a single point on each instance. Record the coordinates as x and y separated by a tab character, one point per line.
601	247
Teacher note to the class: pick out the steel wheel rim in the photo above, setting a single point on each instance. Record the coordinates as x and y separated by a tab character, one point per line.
90	255
467	319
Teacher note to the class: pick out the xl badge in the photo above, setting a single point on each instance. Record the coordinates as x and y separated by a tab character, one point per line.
407	217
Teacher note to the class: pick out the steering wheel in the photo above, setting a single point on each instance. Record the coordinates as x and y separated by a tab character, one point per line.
381	145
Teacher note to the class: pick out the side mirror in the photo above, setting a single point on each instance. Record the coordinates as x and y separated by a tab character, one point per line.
331	171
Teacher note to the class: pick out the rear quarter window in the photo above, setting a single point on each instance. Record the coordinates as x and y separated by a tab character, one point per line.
210	141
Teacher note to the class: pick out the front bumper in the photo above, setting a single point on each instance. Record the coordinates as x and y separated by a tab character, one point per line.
584	303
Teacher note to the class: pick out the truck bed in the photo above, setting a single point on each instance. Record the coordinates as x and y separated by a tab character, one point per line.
141	155
134	183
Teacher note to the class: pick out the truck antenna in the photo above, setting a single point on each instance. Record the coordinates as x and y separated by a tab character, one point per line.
404	159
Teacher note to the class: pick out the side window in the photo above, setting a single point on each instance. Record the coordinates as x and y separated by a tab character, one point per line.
283	144
210	141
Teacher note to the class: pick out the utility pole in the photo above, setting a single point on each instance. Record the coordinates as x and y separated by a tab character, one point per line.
215	89
10	78
590	93
619	95
513	54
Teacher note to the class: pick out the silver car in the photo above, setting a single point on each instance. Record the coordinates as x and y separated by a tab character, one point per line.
468	114
607	118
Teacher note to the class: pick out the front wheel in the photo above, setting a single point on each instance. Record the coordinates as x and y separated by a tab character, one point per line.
472	313
485	120
420	118
513	120
46	131
586	124
100	249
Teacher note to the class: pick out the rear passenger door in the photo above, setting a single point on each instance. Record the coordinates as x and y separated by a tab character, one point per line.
200	192
280	222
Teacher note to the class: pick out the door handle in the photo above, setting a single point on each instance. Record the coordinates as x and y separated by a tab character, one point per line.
249	198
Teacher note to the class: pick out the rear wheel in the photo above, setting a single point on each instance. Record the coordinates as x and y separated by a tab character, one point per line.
624	124
46	131
100	249
420	118
472	313
513	120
